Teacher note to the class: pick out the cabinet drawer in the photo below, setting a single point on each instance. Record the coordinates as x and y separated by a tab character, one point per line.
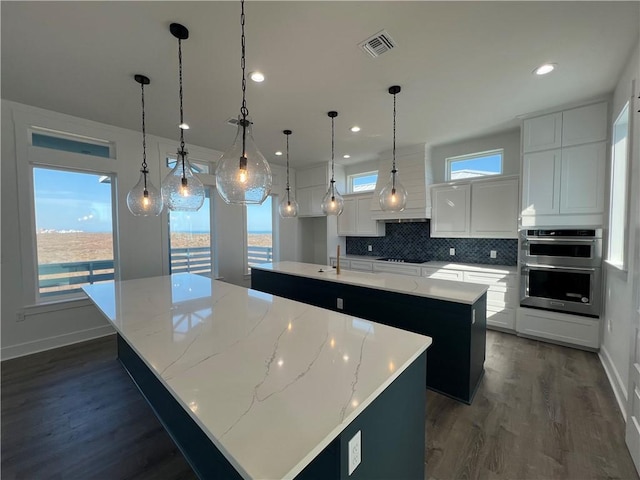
343	263
362	266
442	274
483	278
563	328
413	270
503	318
501	297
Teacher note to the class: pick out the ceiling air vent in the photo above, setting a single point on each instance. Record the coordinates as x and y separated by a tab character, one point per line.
378	44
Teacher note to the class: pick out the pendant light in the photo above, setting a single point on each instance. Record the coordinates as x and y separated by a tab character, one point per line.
181	189
288	207
332	203
144	199
243	175
393	196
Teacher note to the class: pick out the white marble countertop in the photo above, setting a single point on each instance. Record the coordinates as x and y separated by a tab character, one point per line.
470	267
271	381
448	290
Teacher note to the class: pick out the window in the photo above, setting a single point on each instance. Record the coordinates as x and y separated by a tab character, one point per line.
260	233
197	167
74	230
362	182
618	194
71	143
474	165
190	239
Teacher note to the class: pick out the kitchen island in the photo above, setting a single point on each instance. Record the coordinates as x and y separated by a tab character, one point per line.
452	313
250	385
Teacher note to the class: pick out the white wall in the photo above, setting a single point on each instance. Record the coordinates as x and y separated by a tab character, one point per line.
619	290
142	243
509	141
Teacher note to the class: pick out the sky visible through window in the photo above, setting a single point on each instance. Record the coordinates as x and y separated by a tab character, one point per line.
364	183
491	164
67	201
259	217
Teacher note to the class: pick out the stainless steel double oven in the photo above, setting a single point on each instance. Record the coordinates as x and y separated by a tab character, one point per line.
561	270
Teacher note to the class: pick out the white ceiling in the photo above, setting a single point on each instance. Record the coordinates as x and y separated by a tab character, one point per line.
464	67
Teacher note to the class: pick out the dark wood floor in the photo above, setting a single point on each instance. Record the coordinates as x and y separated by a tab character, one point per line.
542	412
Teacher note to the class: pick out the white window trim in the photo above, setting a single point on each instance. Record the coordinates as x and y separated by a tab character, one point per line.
28	157
470	156
353	176
621	266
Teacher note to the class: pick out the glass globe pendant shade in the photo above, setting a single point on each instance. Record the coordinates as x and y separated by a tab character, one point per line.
332	203
144	201
393	196
243	179
288	208
181	189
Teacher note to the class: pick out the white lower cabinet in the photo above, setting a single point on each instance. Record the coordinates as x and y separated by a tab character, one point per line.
502	295
402	269
558	327
361	265
344	263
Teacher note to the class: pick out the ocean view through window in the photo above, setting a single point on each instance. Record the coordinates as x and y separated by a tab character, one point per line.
260	233
190	240
74	230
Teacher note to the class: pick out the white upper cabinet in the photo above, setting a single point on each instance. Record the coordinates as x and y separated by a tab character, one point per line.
494	208
542	133
311	185
310	201
356	220
584	125
478	208
451	210
583	179
541	183
565	184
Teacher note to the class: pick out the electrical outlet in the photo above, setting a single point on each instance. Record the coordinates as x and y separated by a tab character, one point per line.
20	317
340	304
493	254
452	251
369	248
355	452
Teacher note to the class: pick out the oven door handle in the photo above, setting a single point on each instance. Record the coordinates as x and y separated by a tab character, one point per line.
559	240
529	266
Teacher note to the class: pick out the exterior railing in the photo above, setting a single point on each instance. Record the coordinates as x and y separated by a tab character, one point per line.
68	277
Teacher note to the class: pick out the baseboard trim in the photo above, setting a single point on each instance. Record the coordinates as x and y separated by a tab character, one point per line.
41	345
618	386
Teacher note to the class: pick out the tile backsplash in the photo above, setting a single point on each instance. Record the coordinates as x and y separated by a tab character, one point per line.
412	240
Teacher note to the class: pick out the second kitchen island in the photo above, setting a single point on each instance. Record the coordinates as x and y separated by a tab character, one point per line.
453	314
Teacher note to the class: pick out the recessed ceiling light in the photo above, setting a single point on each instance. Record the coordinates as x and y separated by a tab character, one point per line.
278	153
183	126
544	69
355	129
346	156
257	76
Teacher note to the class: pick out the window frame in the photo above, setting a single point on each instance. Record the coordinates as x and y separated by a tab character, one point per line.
449	161
274	233
352	177
39	299
620	265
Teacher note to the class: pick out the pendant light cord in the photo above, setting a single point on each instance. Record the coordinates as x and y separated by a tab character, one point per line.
332	159
144	142
393	170
243	110
288	198
182	153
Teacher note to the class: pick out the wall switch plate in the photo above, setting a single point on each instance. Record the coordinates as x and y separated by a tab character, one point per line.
355	452
452	251
369	248
493	254
340	304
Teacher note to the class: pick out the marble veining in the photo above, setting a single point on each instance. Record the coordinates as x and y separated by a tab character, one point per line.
447	290
271	381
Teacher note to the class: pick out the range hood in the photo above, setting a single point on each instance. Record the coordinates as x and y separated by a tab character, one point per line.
415	173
